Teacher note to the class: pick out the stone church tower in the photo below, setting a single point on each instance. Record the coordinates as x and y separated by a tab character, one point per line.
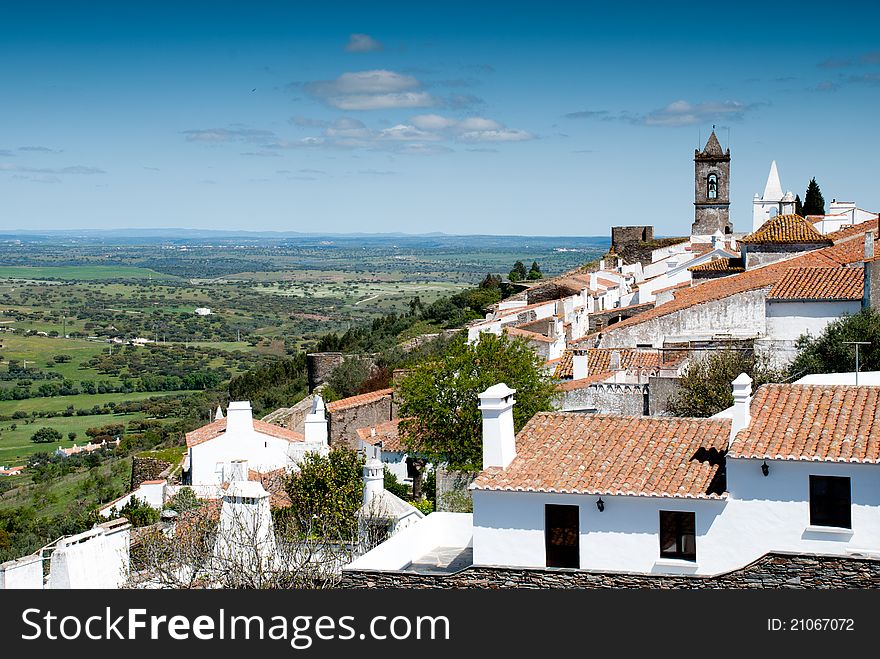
711	189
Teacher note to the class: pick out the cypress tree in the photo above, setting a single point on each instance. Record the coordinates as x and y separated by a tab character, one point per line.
814	202
798	206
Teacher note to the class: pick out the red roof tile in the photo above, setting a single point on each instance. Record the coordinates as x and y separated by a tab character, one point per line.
841	253
218	427
788	229
812	422
388	433
360	399
724	264
820	284
615	455
599	361
274	483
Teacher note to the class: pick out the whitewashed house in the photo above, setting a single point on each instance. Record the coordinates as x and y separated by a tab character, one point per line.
265	447
796	470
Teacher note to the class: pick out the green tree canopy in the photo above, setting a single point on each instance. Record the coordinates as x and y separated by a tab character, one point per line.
798	206
706	387
829	352
535	271
814	202
346	379
439	401
326	493
518	273
46	436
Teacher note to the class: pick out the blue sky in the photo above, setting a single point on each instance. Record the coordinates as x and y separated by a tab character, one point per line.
539	118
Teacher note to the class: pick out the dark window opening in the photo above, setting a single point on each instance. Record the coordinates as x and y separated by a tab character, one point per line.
678	538
562	535
712	187
830	501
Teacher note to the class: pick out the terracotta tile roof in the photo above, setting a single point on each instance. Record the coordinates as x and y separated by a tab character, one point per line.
716	289
788	229
273	482
724	264
571	385
608	454
684	284
820	284
812	422
599	361
526	334
360	399
854	230
388	433
218	427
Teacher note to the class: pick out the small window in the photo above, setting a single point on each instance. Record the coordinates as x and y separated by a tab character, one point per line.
562	536
830	501
712	187
678	538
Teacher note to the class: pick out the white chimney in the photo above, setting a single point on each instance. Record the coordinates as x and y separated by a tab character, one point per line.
316	423
869	245
219	414
614	364
718	239
374	479
580	363
238	470
742	398
238	418
499	442
602	264
788	203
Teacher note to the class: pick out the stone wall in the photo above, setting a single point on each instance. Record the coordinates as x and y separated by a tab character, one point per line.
631	235
292	418
660	391
774	570
872	285
342	424
601	319
453	495
757	255
147	469
320	365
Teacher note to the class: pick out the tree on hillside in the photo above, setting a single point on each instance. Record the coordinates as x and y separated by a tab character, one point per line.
46	436
491	281
535	271
814	202
829	352
346	379
518	273
326	493
439	401
706	387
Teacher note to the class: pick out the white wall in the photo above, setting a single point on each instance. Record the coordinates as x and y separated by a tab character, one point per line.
262	452
741	314
432	531
788	320
26	572
97	558
761	515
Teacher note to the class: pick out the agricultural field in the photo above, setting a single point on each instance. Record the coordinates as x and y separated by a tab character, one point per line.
99	329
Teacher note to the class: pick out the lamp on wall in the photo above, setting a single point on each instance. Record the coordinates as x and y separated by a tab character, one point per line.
600	504
765	468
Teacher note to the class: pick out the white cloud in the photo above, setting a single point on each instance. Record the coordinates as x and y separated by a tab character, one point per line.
406	133
503	135
432	122
73	169
219	135
683	113
378	89
362	43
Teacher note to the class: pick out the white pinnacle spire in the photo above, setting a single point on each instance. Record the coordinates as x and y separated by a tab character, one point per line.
218	414
773	189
